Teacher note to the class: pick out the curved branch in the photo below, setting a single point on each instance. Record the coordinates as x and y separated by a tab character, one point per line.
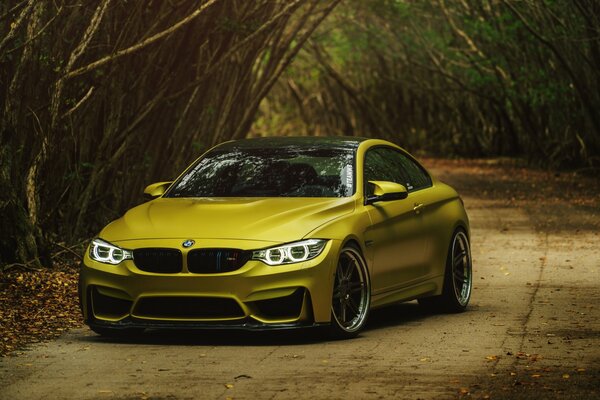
34	37
77	52
580	86
289	8
141	45
17	24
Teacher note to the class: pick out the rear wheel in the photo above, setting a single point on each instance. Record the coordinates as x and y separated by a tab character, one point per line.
351	294
458	278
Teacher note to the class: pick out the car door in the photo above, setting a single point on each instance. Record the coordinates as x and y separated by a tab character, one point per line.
399	232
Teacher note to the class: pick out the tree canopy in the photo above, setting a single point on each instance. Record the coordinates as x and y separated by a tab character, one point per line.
455	77
101	97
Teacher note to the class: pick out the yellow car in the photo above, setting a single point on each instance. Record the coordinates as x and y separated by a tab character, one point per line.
278	233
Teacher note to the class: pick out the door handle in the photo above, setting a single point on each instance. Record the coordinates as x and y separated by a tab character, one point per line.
418	208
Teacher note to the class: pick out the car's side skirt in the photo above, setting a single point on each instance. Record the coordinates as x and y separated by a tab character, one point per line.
430	287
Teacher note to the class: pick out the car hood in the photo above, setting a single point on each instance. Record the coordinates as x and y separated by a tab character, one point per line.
276	220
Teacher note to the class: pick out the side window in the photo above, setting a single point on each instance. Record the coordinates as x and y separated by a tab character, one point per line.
417	176
387	164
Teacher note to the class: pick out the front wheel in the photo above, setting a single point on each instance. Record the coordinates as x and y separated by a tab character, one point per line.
351	294
458	278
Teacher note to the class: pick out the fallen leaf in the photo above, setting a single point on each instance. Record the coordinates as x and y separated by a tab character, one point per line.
535	357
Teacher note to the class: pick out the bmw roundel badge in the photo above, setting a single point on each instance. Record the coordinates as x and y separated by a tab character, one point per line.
188	243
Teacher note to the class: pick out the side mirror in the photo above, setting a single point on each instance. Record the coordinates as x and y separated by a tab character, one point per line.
156	190
386	191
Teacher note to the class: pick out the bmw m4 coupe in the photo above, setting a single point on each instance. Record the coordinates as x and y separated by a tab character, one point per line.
278	233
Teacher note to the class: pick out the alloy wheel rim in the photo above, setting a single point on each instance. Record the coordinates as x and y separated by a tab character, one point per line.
461	268
350	300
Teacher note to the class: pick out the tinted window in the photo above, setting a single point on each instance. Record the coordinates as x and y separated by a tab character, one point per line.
387	164
272	172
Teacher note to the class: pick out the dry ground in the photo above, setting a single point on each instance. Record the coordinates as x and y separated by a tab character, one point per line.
532	330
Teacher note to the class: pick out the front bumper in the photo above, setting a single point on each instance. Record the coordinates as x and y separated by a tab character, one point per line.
254	297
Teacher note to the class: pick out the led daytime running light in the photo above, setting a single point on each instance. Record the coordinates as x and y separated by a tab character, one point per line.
291	253
107	253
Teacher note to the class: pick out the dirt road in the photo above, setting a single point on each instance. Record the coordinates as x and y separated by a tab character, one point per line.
532	331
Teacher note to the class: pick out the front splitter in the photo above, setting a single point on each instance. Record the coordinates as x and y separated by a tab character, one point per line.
243	325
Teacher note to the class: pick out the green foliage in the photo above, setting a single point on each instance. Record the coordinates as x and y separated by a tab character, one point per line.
463	77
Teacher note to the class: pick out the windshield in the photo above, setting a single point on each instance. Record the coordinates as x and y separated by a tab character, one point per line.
270	172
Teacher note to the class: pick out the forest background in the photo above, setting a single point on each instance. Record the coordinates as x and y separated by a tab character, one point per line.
99	98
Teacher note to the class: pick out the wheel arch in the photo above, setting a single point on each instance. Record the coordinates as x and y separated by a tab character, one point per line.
360	245
353	241
461	225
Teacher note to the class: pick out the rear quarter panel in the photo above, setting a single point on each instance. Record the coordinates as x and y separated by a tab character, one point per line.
445	214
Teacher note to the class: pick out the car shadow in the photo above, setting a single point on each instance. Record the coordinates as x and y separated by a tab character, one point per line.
396	315
215	337
389	316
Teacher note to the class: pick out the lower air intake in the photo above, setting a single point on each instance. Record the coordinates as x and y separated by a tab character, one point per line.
188	308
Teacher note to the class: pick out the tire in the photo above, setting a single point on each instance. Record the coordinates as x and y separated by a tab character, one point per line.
123	333
351	298
458	278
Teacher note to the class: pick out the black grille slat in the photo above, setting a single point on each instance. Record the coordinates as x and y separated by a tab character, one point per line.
214	261
159	260
188	308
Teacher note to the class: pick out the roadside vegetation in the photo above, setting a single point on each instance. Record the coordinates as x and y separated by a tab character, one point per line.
100	98
454	77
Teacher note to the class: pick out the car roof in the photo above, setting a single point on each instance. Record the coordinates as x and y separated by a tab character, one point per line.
333	142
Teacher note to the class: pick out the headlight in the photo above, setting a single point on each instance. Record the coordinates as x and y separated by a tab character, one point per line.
290	253
107	253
